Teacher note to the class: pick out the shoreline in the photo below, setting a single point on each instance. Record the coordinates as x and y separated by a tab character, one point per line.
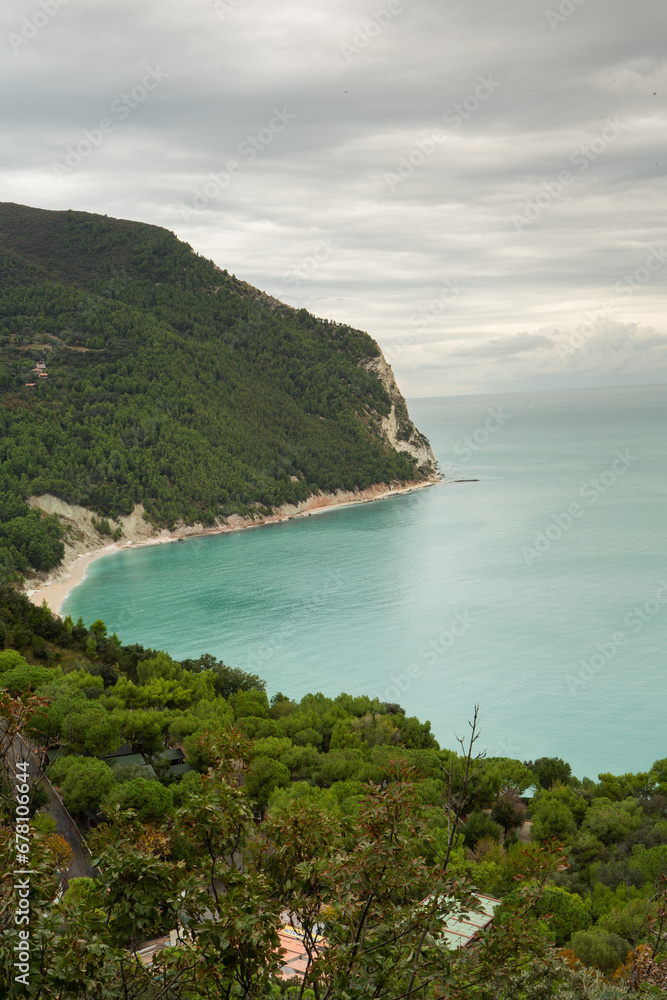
72	571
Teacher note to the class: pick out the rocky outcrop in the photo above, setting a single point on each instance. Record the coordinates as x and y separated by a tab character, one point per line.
81	537
397	428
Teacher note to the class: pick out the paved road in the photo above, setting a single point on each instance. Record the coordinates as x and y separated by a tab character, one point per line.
65	825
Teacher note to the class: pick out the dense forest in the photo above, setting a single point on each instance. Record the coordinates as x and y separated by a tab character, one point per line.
342	815
167	382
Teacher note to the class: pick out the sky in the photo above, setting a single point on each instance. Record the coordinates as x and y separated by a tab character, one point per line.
479	184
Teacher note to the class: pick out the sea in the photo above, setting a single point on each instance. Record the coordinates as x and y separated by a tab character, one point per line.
533	584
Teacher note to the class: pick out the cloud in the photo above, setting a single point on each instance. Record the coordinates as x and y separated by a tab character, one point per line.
374	94
598	352
605	345
505	347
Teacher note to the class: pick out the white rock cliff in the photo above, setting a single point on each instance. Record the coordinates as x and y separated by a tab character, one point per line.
398	429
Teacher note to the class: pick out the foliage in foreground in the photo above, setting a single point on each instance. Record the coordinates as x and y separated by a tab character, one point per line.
223	880
342	812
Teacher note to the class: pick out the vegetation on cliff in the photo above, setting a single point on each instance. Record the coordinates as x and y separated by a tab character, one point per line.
166	382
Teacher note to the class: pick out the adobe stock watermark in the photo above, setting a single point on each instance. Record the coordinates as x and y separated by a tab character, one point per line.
307	267
422	318
94	304
509	748
470	444
565	9
225	7
247	150
430	653
122	107
605	652
626	286
331	584
582	158
447	296
591	491
453	117
31	26
22	884
370	29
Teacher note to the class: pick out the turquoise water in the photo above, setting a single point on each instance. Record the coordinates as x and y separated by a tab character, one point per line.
535	591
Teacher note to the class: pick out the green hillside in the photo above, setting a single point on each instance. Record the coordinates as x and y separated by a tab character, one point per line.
169	383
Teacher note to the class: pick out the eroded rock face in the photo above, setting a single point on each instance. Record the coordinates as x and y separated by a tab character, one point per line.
398	428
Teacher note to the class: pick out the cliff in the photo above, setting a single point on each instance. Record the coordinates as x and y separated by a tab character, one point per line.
134	372
397	427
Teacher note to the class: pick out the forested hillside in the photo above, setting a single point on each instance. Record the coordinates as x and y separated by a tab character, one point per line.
342	813
167	382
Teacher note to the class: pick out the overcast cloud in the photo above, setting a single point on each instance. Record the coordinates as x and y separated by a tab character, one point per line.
479	184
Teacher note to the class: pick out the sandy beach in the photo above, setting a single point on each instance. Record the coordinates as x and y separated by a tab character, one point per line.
75	572
55	587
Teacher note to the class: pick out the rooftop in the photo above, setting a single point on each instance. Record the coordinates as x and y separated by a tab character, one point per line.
461	927
296	956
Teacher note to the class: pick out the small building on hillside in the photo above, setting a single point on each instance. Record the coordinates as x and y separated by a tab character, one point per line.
459	930
175	758
294	954
462	928
123	756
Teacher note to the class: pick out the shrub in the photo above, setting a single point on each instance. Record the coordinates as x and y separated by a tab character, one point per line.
24	676
151	799
307	737
550	771
552	819
565	914
603	951
84	782
480	827
9	659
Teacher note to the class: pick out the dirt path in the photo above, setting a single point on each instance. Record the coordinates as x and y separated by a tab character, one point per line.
524	832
